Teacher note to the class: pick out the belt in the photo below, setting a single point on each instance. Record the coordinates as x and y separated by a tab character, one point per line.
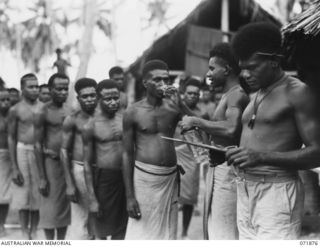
76	162
25	146
267	178
81	163
179	171
51	154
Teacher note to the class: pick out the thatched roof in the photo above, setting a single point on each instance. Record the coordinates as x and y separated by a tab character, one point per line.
307	23
172	46
302	36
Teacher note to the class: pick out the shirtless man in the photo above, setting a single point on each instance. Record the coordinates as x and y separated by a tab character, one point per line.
225	129
189	157
21	141
61	64
282	116
102	140
5	164
72	158
54	206
44	93
14	96
206	103
149	162
116	73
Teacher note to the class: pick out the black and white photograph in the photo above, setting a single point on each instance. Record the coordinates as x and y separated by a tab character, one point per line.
159	120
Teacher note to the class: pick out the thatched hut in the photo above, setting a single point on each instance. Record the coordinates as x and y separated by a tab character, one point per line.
302	44
186	46
302	47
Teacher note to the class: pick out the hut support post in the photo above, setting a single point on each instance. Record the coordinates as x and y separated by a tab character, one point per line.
225	20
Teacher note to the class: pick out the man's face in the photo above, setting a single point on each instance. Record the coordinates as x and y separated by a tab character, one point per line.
191	95
119	79
30	89
110	100
14	97
206	95
44	95
87	98
59	91
257	72
5	102
156	82
217	73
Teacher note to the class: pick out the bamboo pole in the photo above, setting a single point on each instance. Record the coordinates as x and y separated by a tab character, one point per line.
225	20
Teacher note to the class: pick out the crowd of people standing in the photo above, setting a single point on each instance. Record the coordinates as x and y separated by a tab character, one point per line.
103	169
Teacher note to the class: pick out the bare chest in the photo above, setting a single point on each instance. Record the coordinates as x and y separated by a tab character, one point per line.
54	117
271	110
108	130
157	120
3	126
26	114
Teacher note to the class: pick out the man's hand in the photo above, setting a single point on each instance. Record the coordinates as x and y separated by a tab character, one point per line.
94	208
133	208
44	187
243	158
17	177
187	123
72	193
171	92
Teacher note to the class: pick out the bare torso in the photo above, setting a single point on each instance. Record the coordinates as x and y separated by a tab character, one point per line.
150	124
275	126
107	140
220	114
3	132
53	126
25	116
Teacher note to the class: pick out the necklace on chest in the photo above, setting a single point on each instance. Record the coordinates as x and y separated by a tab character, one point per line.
257	103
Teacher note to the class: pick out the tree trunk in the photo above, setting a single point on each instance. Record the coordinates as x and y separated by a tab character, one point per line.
90	14
90	18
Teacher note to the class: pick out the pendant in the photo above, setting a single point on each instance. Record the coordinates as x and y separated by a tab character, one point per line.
251	122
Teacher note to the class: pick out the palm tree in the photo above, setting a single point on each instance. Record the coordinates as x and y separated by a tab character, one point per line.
7	34
157	10
39	37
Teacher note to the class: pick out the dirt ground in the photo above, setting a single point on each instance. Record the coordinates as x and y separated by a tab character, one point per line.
311	224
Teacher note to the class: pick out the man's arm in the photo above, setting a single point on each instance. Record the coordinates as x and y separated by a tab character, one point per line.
307	119
228	128
128	163
68	129
12	145
39	132
88	138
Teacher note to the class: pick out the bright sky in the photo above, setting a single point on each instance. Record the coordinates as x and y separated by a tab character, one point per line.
131	38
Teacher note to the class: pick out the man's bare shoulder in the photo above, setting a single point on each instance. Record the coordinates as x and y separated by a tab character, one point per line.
299	92
135	107
138	104
88	127
70	121
238	98
20	106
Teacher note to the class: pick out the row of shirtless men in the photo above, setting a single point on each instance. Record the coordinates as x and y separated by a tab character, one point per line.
105	169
